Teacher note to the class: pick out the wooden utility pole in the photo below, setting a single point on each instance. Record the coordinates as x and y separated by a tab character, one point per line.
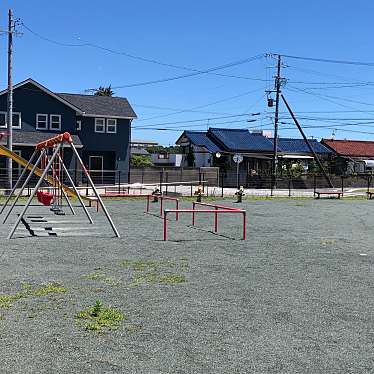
316	158
276	120
10	97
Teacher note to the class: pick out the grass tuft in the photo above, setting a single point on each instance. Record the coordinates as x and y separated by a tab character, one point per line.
99	318
6	301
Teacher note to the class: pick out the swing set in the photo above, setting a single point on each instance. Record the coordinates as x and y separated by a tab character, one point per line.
49	189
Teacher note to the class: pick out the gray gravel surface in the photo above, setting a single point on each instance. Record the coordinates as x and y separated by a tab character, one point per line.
296	297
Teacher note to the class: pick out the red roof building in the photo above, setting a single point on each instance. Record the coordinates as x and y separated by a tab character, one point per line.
351	148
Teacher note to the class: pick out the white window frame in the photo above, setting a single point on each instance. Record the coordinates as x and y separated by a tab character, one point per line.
55	122
5	118
113	124
78	125
18	126
37	121
103	124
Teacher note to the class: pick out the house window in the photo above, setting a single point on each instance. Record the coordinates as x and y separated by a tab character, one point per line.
78	125
111	126
163	156
55	122
99	125
42	121
2	119
16	120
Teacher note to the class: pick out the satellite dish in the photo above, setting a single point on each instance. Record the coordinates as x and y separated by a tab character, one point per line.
218	155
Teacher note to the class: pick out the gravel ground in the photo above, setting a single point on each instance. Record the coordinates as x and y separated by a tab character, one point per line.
296	297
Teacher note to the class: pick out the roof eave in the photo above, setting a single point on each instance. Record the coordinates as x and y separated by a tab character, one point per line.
107	115
47	91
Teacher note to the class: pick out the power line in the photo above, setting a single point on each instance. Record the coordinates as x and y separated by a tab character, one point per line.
204	105
196	120
332	61
199	72
133	56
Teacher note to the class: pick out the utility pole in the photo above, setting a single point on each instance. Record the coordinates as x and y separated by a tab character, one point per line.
10	97
276	119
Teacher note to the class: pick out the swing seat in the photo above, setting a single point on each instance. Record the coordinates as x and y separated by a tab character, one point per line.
45	198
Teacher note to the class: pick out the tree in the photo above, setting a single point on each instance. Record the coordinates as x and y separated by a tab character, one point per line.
104	91
140	161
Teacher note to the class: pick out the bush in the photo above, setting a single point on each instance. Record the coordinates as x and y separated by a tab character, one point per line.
141	161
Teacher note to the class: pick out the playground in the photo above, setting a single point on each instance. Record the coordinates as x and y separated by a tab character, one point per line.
295	296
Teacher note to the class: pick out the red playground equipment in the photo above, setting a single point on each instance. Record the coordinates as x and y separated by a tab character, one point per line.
161	198
215	209
49	154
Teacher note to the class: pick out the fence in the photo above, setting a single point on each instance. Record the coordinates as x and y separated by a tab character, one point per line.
183	181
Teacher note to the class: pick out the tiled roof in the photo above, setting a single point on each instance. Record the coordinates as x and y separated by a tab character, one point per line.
28	138
240	140
292	145
352	148
100	105
201	139
139	151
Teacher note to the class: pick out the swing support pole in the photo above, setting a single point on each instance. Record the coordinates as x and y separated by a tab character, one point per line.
41	179
24	185
116	233
76	191
18	181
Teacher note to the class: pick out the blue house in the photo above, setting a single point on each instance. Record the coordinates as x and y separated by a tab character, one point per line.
100	125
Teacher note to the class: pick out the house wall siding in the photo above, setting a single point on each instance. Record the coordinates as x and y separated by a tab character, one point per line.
30	100
99	143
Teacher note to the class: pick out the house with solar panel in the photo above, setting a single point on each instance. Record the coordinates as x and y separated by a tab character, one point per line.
216	147
100	125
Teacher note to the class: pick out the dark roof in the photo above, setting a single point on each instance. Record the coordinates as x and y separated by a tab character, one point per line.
31	138
100	105
240	140
138	151
201	139
291	145
351	148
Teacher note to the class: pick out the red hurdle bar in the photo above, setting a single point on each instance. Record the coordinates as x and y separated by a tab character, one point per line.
162	198
216	212
215	206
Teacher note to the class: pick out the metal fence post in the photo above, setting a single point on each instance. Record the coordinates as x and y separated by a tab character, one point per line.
221	184
119	181
342	183
161	179
314	185
289	185
166	182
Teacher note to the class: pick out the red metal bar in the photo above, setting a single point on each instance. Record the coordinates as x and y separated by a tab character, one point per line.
204	211
216	206
165	227
65	137
116	194
216	212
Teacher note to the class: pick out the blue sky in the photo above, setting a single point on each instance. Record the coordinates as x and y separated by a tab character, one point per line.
201	35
